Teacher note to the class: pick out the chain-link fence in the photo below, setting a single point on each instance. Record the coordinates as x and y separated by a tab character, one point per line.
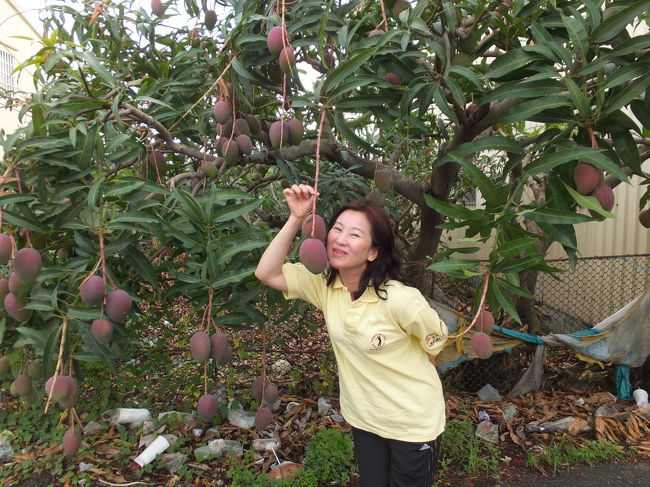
597	288
577	299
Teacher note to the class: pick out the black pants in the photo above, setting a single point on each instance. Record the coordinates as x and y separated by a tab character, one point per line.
393	463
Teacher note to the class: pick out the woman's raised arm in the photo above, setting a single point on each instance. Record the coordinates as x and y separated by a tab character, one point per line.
269	269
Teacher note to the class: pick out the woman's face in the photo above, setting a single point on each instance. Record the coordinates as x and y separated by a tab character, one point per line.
349	242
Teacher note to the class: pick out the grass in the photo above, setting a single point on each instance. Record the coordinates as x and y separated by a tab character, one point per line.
560	453
461	451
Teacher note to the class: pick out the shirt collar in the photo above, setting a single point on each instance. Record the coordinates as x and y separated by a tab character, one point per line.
368	296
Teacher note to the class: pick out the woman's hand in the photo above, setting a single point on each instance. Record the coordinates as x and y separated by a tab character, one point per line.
300	198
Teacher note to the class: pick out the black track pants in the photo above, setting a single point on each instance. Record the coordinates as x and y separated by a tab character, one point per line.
393	463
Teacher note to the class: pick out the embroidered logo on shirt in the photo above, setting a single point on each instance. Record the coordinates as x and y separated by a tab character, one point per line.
378	341
431	340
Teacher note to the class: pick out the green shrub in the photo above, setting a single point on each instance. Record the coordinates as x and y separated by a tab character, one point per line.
329	459
558	453
460	448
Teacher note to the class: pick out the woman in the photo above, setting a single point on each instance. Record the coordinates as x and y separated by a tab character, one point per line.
382	333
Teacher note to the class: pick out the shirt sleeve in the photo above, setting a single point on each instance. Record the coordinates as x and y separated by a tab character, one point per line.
416	317
302	284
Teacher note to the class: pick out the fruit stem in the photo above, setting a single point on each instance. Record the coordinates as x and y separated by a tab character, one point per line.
318	139
481	306
59	361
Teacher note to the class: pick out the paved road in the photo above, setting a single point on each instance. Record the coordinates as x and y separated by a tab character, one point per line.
610	475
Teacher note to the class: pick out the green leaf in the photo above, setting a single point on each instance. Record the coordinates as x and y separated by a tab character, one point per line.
508	286
23	222
441	102
11	199
494	196
514	247
97	349
466	73
508	62
503	299
516	264
596	157
141	265
93	194
579	99
618	22
235	249
525	110
588	202
347	69
342	126
242	71
553	215
231	212
625	96
190	206
578	34
232	277
134	217
83	314
38	337
453	210
488	143
97	66
453	265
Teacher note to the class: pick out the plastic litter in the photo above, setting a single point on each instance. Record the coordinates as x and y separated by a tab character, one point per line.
159	445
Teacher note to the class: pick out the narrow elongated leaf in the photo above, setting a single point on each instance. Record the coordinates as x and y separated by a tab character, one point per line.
615	24
466	73
39	337
529	89
488	143
510	61
88	147
625	96
232	277
527	109
242	71
595	157
347	69
579	99
12	199
22	222
231	212
588	202
134	217
514	247
141	265
97	349
552	215
93	193
453	265
627	73
236	249
578	34
515	265
510	287
83	314
352	84
494	196
97	66
453	210
503	299
191	207
343	127
442	104
630	46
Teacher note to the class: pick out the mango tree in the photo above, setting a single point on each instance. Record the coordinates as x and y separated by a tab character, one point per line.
156	142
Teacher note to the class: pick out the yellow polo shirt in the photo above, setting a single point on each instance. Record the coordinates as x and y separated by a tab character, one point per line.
388	386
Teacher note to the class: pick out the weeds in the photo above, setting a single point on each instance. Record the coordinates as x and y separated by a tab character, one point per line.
461	451
559	453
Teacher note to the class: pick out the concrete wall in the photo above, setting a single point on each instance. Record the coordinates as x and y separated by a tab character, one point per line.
15	49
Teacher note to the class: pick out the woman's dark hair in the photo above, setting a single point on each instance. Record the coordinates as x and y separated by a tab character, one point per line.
388	264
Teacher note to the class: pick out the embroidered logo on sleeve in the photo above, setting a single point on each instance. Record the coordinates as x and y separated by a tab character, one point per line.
378	341
431	340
